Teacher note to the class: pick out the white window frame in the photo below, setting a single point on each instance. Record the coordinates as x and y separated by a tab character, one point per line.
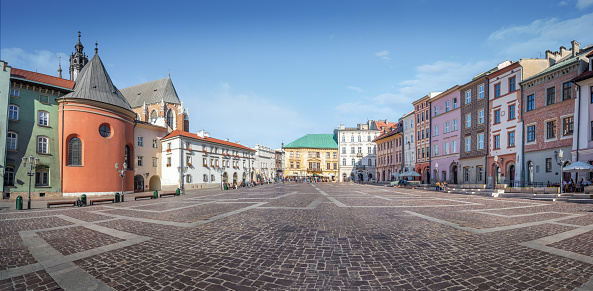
468	120
42	145
140	141
481	91
468	143
481	141
14	109
43	118
468	96
481	116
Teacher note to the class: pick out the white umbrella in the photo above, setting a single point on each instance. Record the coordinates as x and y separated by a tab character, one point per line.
395	174
411	174
578	167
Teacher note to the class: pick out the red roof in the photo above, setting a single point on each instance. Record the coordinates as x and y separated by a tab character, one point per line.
395	130
385	126
208	139
585	75
41	78
590	54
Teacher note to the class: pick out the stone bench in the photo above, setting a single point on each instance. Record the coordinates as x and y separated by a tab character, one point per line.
167	194
144	196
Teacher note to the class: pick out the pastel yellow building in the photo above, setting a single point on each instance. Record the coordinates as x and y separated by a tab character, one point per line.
313	155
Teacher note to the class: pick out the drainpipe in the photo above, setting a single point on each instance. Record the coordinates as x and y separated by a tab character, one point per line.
487	131
578	116
524	138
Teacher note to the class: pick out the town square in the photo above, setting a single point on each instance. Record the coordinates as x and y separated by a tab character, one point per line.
296	145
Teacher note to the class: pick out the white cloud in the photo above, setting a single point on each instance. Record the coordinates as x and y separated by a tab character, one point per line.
42	61
562	3
383	54
247	118
357	89
582	4
525	41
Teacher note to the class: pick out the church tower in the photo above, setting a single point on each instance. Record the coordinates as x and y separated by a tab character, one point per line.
77	60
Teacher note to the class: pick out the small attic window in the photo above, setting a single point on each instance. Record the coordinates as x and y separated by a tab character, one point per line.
155	90
139	93
94	86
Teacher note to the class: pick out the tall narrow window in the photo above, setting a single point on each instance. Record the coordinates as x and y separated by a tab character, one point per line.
511	138
171	118
43	118
454	124
530	102
42	147
497	90
481	92
496	116
468	143
13	112
42	177
551	129
127	157
497	142
11	140
140	141
481	141
512	84
153	116
566	90
531	133
567	126
550	96
75	152
468	96
9	176
512	112
481	117
468	121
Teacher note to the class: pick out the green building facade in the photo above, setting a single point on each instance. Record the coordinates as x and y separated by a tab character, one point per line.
4	93
33	132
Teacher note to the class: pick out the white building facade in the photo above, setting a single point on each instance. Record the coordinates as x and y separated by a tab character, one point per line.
197	161
265	163
147	156
357	154
409	150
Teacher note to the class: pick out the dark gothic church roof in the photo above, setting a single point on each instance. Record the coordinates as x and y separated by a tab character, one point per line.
151	92
93	83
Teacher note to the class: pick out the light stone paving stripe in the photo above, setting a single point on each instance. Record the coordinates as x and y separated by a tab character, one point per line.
311	205
492	229
66	274
20	271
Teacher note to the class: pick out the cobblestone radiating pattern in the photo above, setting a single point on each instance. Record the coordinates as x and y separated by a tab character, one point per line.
295	200
76	239
33	281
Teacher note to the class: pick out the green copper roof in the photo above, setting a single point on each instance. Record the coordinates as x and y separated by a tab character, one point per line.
314	141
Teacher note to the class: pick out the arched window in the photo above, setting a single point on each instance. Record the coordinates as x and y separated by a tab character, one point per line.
9	176
171	118
75	152
127	158
153	116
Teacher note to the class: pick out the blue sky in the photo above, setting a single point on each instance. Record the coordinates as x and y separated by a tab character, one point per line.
271	71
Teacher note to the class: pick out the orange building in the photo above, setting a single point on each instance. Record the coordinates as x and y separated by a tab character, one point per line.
96	131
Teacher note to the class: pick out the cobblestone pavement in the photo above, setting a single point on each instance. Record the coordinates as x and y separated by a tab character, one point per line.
301	237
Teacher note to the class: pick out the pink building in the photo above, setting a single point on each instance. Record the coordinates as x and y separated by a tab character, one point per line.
446	113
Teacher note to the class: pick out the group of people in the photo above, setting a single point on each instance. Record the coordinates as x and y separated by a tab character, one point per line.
571	186
441	186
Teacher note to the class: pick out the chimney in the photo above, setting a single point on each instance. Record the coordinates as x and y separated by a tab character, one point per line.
563	52
226	139
201	133
206	134
575	47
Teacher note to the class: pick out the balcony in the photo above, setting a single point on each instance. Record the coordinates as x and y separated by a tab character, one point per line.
314	170
359	155
360	167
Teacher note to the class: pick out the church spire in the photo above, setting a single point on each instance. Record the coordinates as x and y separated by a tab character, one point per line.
60	66
78	60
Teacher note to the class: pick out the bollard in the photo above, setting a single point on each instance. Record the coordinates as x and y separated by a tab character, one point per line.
177	192
19	203
116	197
83	199
156	194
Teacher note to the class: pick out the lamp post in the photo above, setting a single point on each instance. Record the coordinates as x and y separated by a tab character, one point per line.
436	168
182	171
33	162
495	176
558	155
122	174
221	181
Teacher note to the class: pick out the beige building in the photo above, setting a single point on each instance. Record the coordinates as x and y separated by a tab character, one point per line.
148	160
313	155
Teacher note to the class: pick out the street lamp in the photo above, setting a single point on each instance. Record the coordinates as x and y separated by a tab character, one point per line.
122	174
436	168
495	176
33	162
182	171
221	181
558	156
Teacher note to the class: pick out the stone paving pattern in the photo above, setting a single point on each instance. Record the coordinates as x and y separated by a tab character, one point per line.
296	236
